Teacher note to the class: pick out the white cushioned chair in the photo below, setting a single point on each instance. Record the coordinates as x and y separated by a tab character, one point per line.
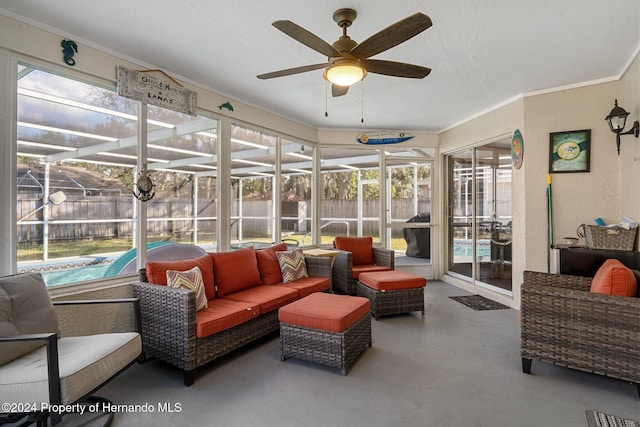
39	366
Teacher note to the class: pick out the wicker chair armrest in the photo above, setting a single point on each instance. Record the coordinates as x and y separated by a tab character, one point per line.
342	270
565	307
384	257
318	266
168	319
564	281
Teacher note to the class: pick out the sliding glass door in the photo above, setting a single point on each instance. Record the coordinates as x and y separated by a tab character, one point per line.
479	214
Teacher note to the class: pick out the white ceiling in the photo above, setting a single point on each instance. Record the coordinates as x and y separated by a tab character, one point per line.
482	53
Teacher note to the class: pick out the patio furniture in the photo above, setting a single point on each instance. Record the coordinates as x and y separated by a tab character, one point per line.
357	255
244	289
40	370
328	329
392	292
565	324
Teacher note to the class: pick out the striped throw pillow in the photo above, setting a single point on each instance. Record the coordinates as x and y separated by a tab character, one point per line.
292	265
192	280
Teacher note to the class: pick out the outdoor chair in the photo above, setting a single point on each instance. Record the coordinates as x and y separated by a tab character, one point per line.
40	371
564	323
357	255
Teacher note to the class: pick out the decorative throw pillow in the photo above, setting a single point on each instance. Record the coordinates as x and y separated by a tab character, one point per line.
292	265
157	271
268	264
235	270
614	278
192	280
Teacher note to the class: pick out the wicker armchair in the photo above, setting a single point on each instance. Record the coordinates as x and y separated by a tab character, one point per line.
344	275
565	324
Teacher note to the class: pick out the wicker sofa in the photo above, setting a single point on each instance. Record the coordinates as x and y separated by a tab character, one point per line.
240	308
358	255
563	323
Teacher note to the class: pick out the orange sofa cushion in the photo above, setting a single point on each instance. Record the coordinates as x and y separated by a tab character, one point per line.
325	312
360	247
359	269
268	264
223	314
614	278
308	285
235	271
391	280
157	272
267	297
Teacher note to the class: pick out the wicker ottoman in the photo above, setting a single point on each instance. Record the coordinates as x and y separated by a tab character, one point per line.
332	330
392	292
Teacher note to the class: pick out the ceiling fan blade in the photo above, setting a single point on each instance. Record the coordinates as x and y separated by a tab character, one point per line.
290	71
395	69
339	90
306	38
392	36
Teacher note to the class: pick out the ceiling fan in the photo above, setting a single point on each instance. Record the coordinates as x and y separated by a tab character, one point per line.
347	61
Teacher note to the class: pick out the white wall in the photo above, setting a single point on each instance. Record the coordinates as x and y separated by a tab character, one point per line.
629	98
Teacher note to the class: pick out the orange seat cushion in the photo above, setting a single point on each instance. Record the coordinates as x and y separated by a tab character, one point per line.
157	272
308	285
268	264
325	312
392	280
361	248
356	270
614	278
223	314
235	271
267	297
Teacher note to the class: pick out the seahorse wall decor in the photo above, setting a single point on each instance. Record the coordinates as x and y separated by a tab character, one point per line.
69	48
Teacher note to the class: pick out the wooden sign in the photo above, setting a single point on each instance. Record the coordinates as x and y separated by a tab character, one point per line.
153	90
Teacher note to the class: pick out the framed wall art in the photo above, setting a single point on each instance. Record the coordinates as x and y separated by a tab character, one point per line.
569	151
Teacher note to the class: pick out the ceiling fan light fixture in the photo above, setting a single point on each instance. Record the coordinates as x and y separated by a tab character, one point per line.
344	73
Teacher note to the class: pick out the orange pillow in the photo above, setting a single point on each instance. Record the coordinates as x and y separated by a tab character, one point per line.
360	247
268	264
235	270
614	278
157	271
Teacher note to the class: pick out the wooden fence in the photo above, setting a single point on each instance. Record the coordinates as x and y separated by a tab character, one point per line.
103	217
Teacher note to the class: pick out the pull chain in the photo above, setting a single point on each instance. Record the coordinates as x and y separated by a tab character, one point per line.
326	102
362	102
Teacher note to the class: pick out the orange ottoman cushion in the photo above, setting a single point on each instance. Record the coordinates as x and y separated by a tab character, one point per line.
391	280
325	312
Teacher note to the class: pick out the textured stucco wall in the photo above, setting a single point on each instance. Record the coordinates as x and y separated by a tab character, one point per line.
630	146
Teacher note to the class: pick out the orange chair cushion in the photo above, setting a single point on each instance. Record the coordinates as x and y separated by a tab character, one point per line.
361	248
223	314
308	285
392	280
235	271
325	312
266	296
157	272
268	264
356	270
614	278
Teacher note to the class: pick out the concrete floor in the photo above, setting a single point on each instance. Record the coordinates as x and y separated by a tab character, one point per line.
452	367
